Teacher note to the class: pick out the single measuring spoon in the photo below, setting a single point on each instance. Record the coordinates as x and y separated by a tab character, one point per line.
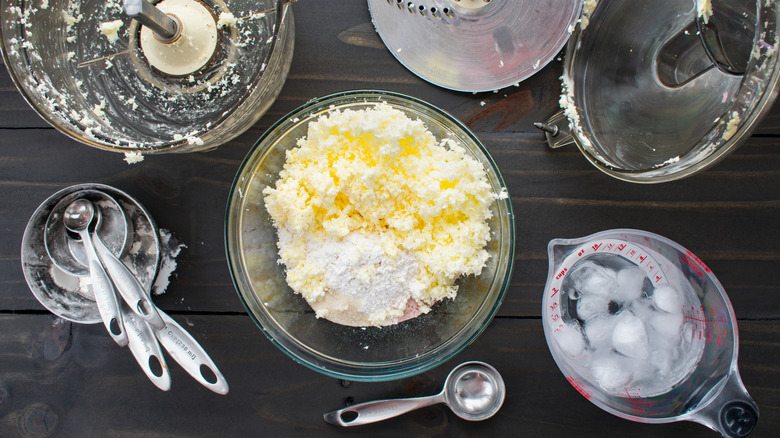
473	391
127	284
186	351
145	348
78	217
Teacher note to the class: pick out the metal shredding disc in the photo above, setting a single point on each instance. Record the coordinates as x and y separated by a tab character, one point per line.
474	45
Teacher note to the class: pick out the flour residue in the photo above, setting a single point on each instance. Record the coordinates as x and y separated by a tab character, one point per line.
170	248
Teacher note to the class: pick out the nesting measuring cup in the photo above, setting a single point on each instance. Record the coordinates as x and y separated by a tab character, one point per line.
642	328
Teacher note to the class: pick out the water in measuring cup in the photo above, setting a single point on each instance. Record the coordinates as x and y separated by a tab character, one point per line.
624	334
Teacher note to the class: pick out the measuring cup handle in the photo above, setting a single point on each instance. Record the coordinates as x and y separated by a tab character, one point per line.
185	350
128	285
371	412
732	412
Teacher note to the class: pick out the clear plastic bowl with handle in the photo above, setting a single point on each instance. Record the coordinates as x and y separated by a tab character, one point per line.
659	91
625	356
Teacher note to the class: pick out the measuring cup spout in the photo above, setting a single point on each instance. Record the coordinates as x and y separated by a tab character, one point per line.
731	412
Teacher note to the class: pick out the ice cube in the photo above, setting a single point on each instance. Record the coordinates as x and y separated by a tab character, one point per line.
640	370
662	360
598	331
591	305
629	284
608	371
667	299
570	340
630	336
592	278
642	309
667	326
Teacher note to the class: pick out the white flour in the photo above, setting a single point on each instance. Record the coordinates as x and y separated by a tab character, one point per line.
169	250
363	284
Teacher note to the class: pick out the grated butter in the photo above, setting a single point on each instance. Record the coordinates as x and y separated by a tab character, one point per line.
377	174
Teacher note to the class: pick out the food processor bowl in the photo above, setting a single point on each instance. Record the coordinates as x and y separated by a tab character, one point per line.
82	66
654	92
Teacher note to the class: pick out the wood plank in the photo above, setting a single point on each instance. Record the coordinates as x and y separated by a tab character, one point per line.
556	194
83	385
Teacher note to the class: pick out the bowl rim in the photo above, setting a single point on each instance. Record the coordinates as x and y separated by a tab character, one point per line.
375	371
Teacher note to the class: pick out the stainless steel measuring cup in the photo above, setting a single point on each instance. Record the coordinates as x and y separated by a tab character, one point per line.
662	350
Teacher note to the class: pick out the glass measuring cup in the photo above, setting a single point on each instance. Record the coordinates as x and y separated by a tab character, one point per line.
702	384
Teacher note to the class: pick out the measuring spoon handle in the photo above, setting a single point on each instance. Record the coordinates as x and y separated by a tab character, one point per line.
105	294
371	412
145	348
128	285
185	350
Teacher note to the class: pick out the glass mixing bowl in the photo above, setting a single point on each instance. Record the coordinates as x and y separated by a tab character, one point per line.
80	64
358	353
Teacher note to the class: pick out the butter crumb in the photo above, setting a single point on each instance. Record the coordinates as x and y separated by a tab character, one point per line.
732	126
111	29
704	9
133	157
226	19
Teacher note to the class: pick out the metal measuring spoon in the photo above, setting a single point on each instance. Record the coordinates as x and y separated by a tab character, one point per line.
128	285
78	217
67	253
188	353
473	391
145	348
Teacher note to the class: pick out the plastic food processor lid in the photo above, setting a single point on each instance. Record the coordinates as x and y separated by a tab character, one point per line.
660	90
474	45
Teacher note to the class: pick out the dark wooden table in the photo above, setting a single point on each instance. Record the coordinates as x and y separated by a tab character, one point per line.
63	379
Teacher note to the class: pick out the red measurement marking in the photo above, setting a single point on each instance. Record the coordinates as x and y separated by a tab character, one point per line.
555	317
578	386
642	258
609	247
621	246
560	274
579	254
596	246
554	306
632	253
554	292
702	319
636	405
658	278
690	263
698	261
